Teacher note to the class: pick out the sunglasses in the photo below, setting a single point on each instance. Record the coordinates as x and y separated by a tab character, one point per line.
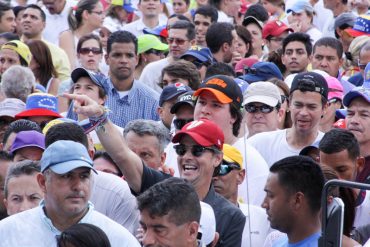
176	40
361	65
155	52
199	65
87	50
283	99
250	108
227	167
179	123
196	150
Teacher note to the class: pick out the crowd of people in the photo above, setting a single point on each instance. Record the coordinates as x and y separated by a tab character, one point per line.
182	123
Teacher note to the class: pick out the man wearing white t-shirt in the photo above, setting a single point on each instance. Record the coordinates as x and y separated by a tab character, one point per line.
150	17
56	18
308	103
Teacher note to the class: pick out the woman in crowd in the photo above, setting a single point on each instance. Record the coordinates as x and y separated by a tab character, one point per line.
42	66
244	41
84	18
150	49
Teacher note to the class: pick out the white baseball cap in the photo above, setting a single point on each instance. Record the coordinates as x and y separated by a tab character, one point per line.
207	223
262	92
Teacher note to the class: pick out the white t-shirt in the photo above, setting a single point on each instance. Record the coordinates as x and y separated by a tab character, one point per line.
152	72
32	228
55	24
256	171
315	34
322	15
273	145
223	17
259	225
137	27
328	29
363	212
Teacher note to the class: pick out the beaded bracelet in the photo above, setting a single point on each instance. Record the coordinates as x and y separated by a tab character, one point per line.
99	122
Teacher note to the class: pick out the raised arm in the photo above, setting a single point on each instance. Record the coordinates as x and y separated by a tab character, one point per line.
112	140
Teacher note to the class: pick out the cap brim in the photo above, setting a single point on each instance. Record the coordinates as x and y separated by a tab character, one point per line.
351	95
177	105
161	47
37	112
64	167
251	19
221	97
252	78
6	113
355	33
261	99
196	55
25	146
196	137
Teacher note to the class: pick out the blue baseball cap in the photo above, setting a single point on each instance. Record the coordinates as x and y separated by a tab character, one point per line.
341	113
300	6
172	91
97	78
126	5
262	71
64	156
363	91
202	54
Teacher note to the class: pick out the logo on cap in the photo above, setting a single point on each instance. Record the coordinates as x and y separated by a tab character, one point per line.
46	103
217	82
186	97
194	124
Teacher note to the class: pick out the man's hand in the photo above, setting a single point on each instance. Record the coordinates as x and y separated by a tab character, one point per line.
84	105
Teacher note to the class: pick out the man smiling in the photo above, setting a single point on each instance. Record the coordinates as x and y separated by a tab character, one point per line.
198	156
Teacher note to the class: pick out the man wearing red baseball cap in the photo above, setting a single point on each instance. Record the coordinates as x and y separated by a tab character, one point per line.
199	151
273	33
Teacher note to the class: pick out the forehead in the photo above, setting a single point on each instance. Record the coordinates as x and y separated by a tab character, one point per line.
123	47
253	26
295	45
325	51
8	13
359	102
9	53
90	43
187	140
203	18
32	11
177	33
142	141
24	179
306	97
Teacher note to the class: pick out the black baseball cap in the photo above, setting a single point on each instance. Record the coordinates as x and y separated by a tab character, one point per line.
311	82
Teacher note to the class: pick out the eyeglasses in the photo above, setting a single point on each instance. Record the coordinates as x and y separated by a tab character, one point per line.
283	98
196	150
227	167
176	40
361	65
155	52
87	50
250	108
179	123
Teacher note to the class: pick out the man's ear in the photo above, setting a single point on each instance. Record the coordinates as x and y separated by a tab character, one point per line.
41	181
360	164
241	176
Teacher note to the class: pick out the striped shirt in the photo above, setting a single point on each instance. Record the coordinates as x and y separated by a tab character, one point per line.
140	103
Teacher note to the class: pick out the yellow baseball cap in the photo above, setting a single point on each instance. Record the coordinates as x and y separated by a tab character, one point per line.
232	155
19	47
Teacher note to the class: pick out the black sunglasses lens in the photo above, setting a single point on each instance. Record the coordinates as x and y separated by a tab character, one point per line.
250	108
180	149
224	170
197	150
266	109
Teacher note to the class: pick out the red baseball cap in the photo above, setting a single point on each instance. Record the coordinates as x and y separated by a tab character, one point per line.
274	28
204	132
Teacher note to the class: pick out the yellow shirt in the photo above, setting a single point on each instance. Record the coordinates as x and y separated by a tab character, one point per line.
60	61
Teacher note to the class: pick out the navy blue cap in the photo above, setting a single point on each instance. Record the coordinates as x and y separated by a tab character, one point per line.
172	91
98	78
262	71
202	54
183	99
341	113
